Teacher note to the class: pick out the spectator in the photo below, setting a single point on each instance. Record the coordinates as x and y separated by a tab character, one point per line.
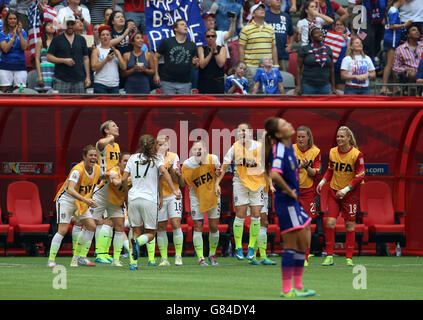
256	40
135	10
45	69
78	11
140	67
212	60
106	15
412	10
72	65
329	8
375	29
284	31
121	31
95	34
357	69
419	76
3	10
98	9
341	28
351	15
13	43
267	80
105	62
310	17
224	10
223	37
180	55
236	83
392	38
315	69
407	56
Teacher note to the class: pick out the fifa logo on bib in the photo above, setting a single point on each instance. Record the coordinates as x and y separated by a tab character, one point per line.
340	166
202	179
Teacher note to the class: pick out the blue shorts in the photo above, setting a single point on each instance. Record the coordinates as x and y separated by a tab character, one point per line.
291	214
389	44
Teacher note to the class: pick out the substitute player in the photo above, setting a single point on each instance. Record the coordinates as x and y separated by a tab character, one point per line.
172	207
108	157
309	160
248	186
282	167
345	174
143	198
199	173
74	198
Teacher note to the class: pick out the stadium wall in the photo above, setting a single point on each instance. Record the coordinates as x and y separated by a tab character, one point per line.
40	130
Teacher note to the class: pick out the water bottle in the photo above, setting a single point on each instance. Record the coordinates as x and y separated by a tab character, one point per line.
21	88
398	250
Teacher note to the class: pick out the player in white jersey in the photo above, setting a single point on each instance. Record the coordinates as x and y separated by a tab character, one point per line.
145	168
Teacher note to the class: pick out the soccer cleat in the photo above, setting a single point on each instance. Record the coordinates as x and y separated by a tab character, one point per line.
152	264
133	267
213	260
267	262
202	262
85	262
250	253
116	263
305	292
238	254
178	261
305	263
108	257
254	262
290	294
74	262
101	258
51	263
350	262
124	255
135	249
164	263
328	261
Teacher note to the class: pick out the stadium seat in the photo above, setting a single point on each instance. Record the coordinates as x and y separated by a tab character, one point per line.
378	213
288	80
31	80
25	91
25	213
361	230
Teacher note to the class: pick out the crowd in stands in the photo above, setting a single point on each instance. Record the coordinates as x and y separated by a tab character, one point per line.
72	46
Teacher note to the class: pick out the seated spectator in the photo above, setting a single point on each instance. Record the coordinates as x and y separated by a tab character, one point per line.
236	83
407	56
79	12
357	69
315	69
212	60
72	63
341	28
105	62
391	40
267	80
140	67
284	32
13	43
310	17
45	69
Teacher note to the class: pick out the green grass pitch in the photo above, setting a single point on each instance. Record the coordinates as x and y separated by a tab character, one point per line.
383	277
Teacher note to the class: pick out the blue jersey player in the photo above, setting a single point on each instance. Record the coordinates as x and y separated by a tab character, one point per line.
282	167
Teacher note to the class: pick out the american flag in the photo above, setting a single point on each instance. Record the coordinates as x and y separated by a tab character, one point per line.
335	41
35	24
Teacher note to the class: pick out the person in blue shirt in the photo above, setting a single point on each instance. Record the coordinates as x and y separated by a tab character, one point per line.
282	167
267	80
236	83
284	32
13	43
391	40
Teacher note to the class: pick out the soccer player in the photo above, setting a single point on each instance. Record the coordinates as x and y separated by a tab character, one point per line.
199	173
345	174
248	186
309	160
110	197
74	198
143	198
282	167
172	207
108	157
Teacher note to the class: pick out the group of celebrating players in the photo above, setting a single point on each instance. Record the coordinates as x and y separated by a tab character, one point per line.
107	183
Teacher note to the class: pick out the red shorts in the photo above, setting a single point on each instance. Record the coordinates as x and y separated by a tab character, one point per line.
307	200
349	206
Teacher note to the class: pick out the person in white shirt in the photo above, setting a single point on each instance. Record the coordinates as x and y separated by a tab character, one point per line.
74	8
145	168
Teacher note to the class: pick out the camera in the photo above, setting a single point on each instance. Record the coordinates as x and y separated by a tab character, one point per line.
111	51
230	14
